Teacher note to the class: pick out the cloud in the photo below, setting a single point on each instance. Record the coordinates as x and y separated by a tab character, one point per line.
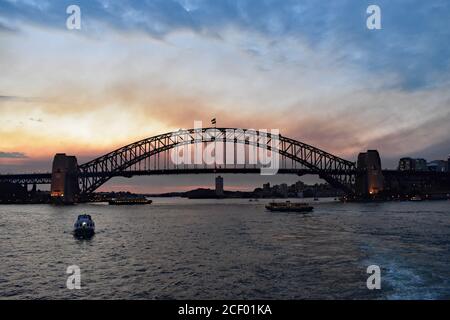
414	42
12	155
36	120
6	29
140	68
433	130
123	89
439	150
8	98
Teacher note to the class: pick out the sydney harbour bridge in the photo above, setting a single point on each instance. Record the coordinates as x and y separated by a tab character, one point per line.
74	182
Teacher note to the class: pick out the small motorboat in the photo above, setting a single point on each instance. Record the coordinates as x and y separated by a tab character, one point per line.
289	207
84	227
416	198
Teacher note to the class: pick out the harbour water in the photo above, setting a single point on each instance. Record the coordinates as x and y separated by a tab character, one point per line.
227	249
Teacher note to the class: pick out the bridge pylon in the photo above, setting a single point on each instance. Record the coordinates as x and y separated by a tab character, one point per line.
370	179
64	182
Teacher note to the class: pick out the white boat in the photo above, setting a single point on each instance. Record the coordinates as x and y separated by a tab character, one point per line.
84	227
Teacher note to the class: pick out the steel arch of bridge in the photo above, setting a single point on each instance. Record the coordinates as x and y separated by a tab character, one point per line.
336	171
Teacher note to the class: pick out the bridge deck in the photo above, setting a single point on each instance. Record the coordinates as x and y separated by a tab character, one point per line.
45	178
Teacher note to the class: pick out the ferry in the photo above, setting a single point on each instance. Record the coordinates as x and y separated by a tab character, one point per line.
84	226
130	201
289	207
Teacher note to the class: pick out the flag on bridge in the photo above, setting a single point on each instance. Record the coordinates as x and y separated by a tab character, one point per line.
213	121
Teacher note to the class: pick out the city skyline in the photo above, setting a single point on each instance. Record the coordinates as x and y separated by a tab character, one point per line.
159	66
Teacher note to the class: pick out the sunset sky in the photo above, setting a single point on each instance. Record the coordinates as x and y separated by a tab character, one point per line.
139	68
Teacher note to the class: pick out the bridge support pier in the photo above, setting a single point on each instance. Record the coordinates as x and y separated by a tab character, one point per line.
64	185
370	180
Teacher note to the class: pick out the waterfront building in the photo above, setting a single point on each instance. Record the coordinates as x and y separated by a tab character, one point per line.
299	186
420	165
284	190
438	166
406	164
12	191
411	164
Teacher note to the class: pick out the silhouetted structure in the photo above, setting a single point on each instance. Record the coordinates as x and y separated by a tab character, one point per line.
64	186
219	186
437	166
429	184
411	164
12	191
406	164
364	179
298	189
370	181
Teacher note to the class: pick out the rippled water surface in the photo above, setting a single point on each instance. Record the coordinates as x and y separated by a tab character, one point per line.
227	249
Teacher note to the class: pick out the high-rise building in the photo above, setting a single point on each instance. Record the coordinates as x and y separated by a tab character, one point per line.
410	164
406	164
299	186
420	165
437	166
219	186
284	190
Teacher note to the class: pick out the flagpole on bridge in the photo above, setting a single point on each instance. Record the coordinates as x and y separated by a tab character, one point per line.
214	122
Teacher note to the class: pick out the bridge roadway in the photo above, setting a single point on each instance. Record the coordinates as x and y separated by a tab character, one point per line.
46	178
